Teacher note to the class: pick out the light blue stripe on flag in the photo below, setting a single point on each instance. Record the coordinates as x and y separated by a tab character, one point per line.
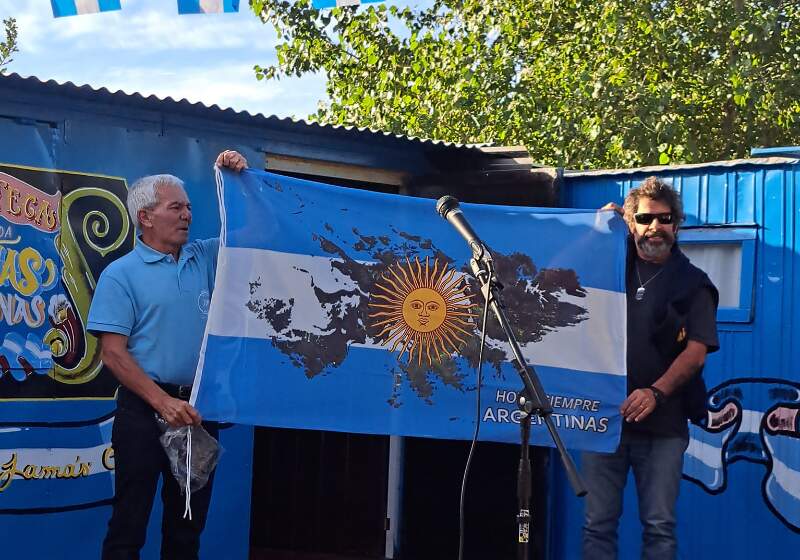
320	4
347	310
207	6
62	8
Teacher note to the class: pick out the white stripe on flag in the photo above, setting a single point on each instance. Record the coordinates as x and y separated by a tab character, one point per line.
207	6
211	6
87	6
751	421
706	453
592	345
323	4
64	8
786	478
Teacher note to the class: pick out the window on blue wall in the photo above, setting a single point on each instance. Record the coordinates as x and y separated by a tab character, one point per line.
727	254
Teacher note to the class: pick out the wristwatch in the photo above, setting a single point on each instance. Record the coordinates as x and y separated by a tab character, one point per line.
659	395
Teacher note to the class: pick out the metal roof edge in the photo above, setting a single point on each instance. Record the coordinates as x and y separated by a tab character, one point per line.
662	169
156	103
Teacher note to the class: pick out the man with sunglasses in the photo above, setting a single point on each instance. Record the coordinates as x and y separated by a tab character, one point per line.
671	316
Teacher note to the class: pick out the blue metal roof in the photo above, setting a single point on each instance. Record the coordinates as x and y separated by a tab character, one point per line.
197	109
786	151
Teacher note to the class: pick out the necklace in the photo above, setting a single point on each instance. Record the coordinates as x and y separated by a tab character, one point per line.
640	290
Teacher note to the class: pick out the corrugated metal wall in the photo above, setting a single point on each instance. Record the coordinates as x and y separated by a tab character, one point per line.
63	138
756	511
85	131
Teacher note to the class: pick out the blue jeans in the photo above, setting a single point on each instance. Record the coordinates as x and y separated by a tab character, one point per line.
657	463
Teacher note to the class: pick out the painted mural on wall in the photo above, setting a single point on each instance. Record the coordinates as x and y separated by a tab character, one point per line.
58	231
755	420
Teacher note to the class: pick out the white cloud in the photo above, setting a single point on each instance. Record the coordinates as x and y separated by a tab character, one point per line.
234	87
144	27
154	31
146	47
30	22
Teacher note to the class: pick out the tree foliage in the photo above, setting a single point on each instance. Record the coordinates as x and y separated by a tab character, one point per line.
594	83
9	46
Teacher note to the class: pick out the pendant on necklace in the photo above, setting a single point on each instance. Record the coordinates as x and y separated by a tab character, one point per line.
639	293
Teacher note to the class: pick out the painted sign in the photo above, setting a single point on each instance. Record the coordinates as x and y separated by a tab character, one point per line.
58	231
758	421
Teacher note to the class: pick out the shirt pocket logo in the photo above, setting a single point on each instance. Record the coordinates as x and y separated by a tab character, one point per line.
204	302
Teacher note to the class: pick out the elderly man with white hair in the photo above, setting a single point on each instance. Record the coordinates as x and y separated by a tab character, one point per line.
149	311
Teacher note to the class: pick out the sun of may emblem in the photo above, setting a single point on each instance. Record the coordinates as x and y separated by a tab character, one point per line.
421	311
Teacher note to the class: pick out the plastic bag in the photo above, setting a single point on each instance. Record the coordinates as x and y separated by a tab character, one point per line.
205	453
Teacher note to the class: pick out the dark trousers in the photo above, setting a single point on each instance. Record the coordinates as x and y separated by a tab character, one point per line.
139	461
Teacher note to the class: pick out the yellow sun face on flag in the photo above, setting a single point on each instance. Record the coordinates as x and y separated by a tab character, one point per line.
421	311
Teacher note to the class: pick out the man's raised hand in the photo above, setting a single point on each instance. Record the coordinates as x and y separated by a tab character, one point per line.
231	159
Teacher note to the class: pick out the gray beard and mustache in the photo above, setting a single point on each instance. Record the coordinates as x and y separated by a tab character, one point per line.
655	250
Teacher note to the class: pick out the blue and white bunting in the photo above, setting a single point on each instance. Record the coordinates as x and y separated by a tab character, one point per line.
346	310
63	8
321	4
207	6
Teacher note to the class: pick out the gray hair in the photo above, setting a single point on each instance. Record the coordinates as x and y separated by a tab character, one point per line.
143	194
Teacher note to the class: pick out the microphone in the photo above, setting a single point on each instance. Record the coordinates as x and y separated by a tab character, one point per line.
448	208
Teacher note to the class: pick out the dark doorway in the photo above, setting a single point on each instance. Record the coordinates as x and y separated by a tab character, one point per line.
433	473
322	496
318	493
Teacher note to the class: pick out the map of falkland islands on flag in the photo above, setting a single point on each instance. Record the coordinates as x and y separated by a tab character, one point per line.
347	310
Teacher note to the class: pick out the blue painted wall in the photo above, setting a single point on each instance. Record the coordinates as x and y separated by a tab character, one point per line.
749	514
67	137
81	130
51	127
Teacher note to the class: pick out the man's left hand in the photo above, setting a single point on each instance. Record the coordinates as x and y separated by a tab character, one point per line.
639	405
231	159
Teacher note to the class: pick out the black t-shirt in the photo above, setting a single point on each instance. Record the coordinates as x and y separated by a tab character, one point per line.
645	362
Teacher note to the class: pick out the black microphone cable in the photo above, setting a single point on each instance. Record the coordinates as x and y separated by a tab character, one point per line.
477	428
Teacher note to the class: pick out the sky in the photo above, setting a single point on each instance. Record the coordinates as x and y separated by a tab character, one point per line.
148	48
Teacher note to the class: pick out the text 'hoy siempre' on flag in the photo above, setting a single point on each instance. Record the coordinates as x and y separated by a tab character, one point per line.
62	8
207	6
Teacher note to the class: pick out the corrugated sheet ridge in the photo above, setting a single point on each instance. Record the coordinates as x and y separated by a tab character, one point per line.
197	105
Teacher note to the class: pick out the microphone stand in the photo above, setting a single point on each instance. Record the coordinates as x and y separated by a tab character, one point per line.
531	400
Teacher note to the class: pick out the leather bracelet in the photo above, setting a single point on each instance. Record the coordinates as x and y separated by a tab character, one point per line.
659	395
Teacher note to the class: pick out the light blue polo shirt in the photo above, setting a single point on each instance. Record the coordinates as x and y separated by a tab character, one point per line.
160	305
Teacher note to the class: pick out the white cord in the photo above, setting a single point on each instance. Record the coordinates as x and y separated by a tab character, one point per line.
223	217
188	508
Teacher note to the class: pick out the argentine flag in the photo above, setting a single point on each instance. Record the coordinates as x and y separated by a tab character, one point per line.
207	6
62	8
347	310
320	4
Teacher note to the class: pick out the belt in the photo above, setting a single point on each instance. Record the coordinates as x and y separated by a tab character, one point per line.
182	392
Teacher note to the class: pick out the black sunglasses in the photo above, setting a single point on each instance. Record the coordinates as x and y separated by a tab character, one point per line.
645	218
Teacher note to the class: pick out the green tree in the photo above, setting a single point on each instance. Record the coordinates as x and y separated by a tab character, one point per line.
9	46
600	83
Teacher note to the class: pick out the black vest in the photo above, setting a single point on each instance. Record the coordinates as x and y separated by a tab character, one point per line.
657	335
